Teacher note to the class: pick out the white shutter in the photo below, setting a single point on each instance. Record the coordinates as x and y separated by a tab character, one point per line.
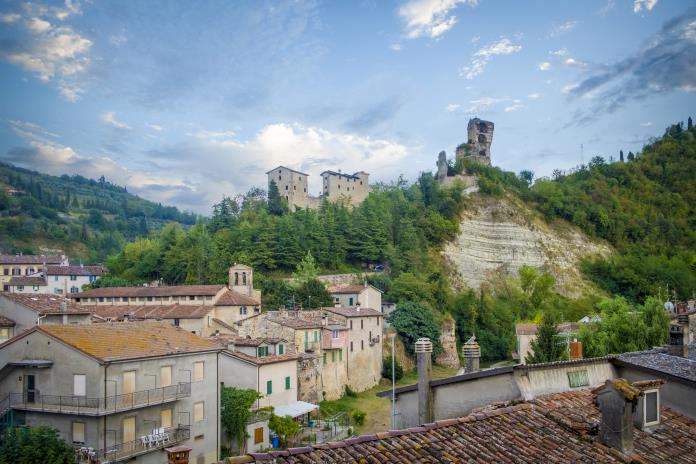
79	385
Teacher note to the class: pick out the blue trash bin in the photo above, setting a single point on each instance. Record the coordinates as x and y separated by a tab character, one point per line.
275	442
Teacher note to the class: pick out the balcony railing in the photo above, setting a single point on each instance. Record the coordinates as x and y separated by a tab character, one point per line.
122	451
82	405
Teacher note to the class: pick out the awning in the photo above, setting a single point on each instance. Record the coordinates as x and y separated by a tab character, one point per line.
295	409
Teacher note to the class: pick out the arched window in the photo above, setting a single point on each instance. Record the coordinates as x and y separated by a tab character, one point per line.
244	278
236	278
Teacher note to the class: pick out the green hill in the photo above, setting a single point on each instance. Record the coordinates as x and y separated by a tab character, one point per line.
88	219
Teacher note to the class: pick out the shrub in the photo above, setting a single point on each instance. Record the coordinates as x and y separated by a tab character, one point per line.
359	417
387	369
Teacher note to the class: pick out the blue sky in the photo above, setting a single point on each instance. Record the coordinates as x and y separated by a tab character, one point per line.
184	102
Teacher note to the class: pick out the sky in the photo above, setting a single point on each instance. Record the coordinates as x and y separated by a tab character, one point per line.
184	102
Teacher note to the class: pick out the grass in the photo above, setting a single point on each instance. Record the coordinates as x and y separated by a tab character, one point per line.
378	409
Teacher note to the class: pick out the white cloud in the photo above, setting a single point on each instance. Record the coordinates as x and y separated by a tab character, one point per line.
563	28
559	52
569	88
646	124
430	18
575	63
475	39
640	5
545	66
395	46
481	58
9	18
52	53
119	39
516	105
453	107
534	96
156	127
109	118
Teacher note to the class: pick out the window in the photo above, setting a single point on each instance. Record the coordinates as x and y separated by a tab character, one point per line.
242	310
124	299
258	435
340	355
262	351
177	322
362	324
192	298
350	301
370	335
362	344
73	277
166	418
287	383
316	335
578	379
281	349
36	288
351	347
79	384
351	325
20	288
324	358
7	272
378	321
269	387
333	356
286	187
334	334
149	298
55	278
652	405
4	333
199	411
78	432
72	289
165	376
198	371
92	278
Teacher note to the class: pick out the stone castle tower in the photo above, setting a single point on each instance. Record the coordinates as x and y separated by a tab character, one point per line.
478	147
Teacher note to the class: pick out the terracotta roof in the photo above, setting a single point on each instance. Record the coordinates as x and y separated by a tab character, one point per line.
283	167
296	323
224	324
127	340
559	428
354	312
263	360
75	270
6	322
531	329
227	339
232	298
30	259
26	281
170	311
350	289
176	290
45	304
657	360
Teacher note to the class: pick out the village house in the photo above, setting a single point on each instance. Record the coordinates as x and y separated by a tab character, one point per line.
57	280
525	333
25	265
269	366
201	309
26	311
7	328
351	296
115	391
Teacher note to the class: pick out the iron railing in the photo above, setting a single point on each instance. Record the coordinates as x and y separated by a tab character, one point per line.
82	405
123	451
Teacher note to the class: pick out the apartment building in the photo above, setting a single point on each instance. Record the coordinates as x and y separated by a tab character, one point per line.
25	265
201	309
26	311
118	391
56	280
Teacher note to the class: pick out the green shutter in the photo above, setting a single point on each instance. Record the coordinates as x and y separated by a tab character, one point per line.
578	379
287	383
333	356
325	358
306	339
281	349
269	387
340	354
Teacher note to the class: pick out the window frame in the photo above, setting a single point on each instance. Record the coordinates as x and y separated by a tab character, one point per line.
202	376
645	407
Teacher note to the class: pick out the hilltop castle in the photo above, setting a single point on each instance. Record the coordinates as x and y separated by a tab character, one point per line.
478	147
336	186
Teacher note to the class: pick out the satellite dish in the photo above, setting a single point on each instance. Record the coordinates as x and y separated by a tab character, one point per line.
669	306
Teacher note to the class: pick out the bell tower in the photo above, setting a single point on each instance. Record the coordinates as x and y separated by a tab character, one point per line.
241	279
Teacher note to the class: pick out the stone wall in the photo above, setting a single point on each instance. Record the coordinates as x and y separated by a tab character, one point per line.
448	339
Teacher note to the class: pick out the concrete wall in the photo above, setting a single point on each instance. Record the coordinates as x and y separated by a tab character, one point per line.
368	297
554	379
276	373
23	316
675	395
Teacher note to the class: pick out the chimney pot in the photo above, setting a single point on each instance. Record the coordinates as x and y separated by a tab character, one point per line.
472	355
424	350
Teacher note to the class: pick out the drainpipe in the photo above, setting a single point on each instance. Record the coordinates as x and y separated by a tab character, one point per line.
38	320
105	383
217	425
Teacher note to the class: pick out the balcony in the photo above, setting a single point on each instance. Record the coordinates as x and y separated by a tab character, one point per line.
311	347
125	451
85	406
329	343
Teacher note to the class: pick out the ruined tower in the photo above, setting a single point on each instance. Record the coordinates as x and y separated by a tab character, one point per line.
478	147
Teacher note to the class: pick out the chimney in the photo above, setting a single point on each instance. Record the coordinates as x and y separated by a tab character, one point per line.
424	351
575	350
471	351
679	336
617	400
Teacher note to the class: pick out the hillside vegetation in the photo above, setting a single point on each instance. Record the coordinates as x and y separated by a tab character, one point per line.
88	219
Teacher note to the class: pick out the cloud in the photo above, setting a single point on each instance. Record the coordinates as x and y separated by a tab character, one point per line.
484	55
574	63
640	5
119	39
646	124
8	18
156	127
453	107
395	46
559	52
377	114
430	18
544	66
666	63
109	118
563	28
52	53
516	105
485	104
534	96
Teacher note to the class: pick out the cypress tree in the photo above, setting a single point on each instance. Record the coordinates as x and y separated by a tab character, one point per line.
547	347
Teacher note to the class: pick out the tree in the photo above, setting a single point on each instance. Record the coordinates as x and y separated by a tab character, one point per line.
631	156
689	123
413	321
387	369
526	176
621	157
306	269
312	294
548	346
285	427
34	445
277	206
235	411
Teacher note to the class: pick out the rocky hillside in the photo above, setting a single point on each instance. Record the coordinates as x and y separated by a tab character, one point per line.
503	234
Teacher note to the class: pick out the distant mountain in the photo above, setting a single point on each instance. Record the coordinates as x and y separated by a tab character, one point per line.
86	218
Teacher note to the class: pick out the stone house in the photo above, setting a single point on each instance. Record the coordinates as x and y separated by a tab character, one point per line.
125	390
26	311
352	188
351	296
202	309
292	185
525	333
25	265
57	280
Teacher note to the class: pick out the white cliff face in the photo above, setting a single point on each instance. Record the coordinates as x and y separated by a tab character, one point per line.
503	235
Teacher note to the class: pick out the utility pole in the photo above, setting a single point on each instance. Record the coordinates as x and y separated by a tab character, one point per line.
393	421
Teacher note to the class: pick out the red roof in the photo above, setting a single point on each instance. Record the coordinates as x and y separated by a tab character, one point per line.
175	290
350	289
26	281
354	312
45	304
232	298
170	311
75	270
30	259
